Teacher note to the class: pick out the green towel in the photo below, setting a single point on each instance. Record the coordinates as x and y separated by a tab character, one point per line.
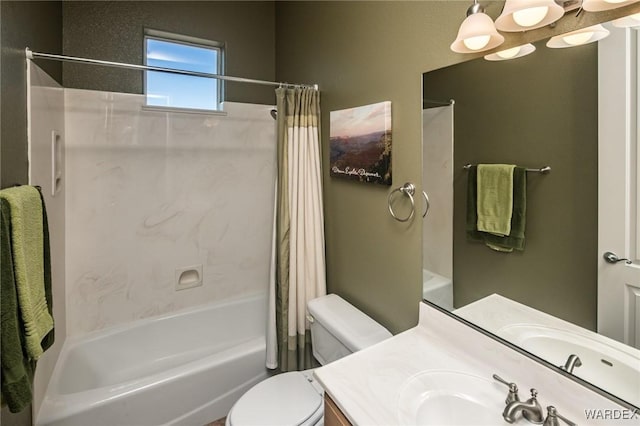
28	259
49	339
16	369
516	239
495	198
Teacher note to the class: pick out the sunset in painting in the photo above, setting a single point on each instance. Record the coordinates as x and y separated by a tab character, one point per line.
360	142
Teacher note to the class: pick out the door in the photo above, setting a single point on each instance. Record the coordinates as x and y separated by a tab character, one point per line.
618	208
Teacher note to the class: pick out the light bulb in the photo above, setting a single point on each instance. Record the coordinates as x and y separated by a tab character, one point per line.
578	39
509	53
477	42
530	17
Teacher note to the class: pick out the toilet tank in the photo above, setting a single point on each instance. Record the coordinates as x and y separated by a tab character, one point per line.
339	329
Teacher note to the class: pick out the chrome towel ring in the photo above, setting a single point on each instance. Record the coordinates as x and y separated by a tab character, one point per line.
409	190
427	204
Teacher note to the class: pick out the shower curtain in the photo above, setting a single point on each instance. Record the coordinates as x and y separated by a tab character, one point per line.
298	260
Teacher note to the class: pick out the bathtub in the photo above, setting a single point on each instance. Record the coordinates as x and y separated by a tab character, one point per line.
186	368
437	289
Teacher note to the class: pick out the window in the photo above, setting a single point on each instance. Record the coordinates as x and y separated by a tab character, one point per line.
185	53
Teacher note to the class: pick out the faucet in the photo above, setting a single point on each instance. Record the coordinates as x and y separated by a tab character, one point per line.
553	416
531	410
513	389
572	362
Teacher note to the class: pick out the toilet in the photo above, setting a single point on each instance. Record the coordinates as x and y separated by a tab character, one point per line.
295	398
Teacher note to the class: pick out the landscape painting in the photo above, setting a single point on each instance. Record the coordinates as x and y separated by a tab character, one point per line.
360	143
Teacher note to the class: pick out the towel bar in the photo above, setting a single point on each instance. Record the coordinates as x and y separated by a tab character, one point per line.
543	170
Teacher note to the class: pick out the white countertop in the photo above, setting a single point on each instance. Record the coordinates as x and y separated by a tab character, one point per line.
495	312
367	385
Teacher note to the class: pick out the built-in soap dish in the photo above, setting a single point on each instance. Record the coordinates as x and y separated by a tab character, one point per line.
188	277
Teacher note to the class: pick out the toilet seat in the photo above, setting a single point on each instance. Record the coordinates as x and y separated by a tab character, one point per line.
286	399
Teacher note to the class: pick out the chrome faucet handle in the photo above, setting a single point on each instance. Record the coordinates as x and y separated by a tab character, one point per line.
535	414
513	389
552	418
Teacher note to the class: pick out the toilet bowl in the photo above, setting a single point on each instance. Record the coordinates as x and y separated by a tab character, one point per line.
295	398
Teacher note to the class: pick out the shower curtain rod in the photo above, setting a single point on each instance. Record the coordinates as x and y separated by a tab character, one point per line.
33	55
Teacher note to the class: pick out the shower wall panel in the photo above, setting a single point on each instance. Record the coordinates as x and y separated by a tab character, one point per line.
151	192
45	105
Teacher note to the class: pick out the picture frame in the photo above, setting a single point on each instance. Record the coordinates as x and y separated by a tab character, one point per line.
360	140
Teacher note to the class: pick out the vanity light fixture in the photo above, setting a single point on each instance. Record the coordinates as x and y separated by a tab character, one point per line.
627	21
523	15
513	53
600	5
578	37
477	32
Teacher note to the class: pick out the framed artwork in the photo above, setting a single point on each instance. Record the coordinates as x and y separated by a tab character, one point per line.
360	143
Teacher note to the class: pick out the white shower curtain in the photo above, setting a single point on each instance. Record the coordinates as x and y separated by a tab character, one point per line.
298	271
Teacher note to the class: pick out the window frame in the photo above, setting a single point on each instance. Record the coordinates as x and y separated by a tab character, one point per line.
188	41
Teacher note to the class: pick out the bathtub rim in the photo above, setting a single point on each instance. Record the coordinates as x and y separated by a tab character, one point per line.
72	401
117	328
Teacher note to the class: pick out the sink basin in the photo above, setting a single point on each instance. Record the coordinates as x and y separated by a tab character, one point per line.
451	398
602	364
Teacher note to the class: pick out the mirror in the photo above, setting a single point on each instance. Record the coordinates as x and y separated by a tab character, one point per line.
534	111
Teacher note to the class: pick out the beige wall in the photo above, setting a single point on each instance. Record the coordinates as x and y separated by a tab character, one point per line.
365	52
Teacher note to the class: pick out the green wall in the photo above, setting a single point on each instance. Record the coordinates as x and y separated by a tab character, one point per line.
37	25
114	31
360	53
538	110
365	52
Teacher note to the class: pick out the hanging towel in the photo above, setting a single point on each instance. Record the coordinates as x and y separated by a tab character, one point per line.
17	369
27	243
495	198
49	339
516	238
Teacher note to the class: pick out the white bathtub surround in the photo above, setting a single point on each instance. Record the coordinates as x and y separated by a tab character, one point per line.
437	289
300	262
437	182
186	368
373	386
151	192
45	115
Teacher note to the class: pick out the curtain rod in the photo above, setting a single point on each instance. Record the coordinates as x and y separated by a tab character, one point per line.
33	55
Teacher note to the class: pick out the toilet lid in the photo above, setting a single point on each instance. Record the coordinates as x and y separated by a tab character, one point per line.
285	399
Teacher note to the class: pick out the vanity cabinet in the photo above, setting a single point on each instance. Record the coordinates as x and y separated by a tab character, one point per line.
332	414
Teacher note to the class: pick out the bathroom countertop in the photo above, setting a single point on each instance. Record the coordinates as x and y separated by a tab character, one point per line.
496	312
367	385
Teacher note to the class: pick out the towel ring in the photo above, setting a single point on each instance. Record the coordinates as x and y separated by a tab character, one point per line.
427	204
408	189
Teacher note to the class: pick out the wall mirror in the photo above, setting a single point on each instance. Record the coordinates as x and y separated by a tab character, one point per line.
575	111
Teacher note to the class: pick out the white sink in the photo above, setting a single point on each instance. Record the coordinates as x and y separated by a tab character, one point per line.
603	365
442	397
